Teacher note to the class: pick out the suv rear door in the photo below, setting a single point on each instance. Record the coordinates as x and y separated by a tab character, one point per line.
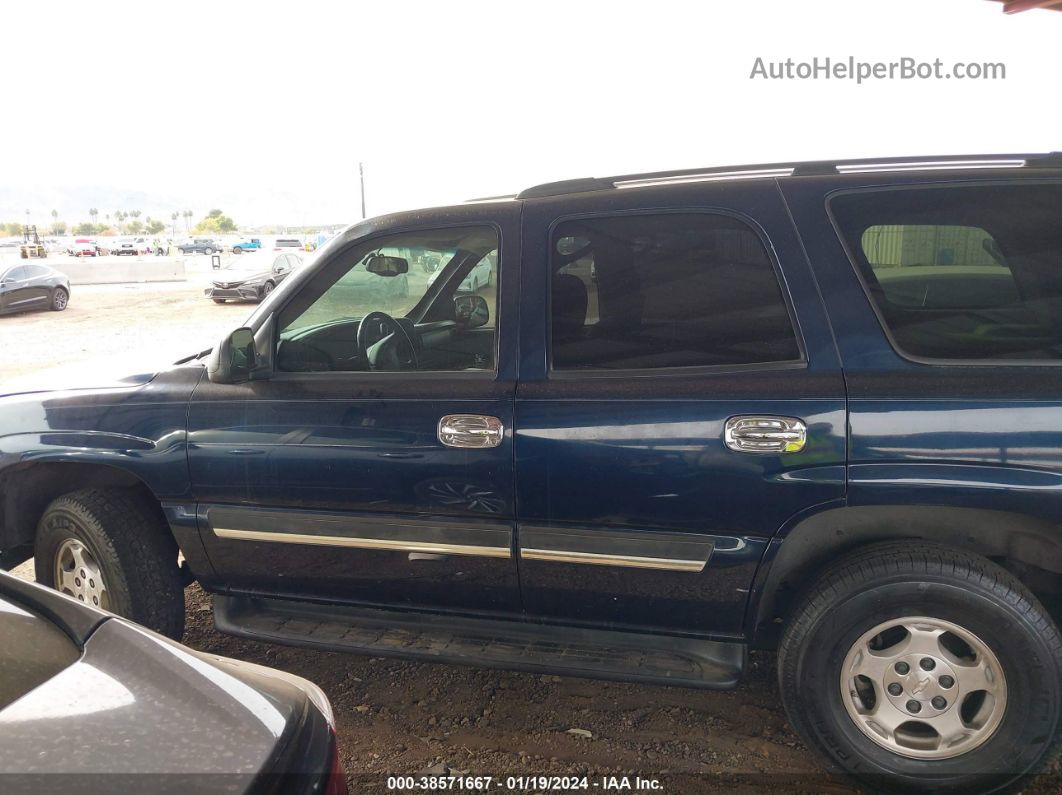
650	318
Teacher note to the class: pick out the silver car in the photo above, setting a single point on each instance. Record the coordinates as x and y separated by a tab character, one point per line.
97	704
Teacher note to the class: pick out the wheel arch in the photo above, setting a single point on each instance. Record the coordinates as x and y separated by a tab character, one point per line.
28	488
1027	546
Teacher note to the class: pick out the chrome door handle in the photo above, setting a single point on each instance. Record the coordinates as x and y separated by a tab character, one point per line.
755	434
470	430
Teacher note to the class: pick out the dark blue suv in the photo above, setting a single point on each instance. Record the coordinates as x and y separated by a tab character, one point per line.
811	407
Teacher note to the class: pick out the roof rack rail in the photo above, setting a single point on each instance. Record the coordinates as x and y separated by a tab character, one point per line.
795	169
566	186
1050	160
501	198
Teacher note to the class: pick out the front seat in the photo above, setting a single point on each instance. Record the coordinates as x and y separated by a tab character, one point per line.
569	303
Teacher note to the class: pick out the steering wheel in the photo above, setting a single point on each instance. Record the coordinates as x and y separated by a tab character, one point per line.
379	346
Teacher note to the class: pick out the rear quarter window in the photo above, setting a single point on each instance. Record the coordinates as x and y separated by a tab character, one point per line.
962	273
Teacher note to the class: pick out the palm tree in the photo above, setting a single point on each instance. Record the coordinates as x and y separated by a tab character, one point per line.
187	220
55	221
174	219
93	213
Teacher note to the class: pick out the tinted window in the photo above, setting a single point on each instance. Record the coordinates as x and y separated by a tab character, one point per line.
16	274
970	272
667	290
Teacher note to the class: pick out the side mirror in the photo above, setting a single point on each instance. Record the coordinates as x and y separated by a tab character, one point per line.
386	266
233	359
471	311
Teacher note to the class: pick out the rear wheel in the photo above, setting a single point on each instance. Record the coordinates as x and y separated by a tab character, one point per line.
911	665
109	548
60	297
208	250
237	250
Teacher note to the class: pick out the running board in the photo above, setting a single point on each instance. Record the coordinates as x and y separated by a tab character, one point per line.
518	645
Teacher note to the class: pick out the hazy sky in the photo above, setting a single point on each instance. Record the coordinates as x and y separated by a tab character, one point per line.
265	108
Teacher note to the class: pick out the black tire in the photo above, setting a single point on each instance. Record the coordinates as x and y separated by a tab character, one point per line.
131	543
60	298
208	250
267	288
893	580
237	250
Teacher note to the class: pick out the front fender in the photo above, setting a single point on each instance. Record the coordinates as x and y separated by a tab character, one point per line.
140	429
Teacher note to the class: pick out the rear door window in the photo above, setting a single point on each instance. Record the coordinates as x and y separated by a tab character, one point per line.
961	272
665	290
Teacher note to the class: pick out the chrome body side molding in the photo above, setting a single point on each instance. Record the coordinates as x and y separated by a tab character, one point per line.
639	549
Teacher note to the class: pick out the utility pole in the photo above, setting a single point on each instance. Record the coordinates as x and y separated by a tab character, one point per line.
361	175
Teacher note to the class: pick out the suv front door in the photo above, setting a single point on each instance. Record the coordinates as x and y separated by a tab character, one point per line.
679	402
329	479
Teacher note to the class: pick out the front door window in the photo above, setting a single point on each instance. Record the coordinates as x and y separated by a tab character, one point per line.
422	300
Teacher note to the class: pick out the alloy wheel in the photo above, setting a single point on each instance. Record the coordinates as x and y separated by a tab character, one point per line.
78	574
924	688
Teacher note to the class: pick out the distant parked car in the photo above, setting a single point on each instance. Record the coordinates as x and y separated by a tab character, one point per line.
83	247
25	287
246	245
481	275
199	245
145	708
252	278
125	246
287	243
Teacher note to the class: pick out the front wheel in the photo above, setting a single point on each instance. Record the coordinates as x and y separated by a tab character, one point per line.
267	288
60	298
208	251
237	250
111	549
910	665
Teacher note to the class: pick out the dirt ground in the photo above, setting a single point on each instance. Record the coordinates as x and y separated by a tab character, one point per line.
402	718
113	329
398	717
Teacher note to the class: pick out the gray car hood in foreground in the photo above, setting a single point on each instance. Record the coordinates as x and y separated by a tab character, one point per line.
138	704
